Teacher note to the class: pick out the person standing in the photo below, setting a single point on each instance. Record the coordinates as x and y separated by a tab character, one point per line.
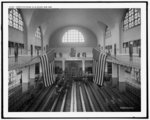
115	50
16	52
131	51
139	51
31	51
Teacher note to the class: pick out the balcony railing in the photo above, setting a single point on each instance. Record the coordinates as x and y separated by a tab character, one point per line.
20	61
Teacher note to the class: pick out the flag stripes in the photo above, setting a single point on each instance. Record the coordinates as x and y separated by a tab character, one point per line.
99	68
47	64
94	66
99	62
96	72
43	70
103	63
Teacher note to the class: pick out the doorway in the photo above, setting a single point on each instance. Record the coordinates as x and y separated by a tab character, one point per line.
73	68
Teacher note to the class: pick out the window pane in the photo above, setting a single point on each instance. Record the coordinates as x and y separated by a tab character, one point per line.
139	14
16	20
127	15
14	24
132	24
10	16
139	20
10	22
136	15
129	25
124	22
133	19
73	36
14	12
37	34
19	22
19	16
136	22
135	10
130	19
11	12
21	28
127	21
17	26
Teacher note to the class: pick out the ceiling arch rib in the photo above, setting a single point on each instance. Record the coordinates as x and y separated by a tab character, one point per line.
52	19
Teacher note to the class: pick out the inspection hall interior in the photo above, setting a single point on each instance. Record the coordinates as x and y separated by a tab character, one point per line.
74	60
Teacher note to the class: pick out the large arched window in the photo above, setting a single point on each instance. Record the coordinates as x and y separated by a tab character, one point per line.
38	40
73	36
107	32
132	18
38	34
15	20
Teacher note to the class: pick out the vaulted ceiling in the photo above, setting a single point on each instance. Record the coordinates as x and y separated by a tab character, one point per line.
52	19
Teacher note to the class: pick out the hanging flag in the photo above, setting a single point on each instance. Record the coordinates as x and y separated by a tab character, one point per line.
47	64
99	61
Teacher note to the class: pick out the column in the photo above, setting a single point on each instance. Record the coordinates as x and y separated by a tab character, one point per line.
25	79
32	75
18	77
63	65
106	68
32	71
115	79
83	66
40	69
122	79
101	36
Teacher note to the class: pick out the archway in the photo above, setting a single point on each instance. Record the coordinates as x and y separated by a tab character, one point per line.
73	68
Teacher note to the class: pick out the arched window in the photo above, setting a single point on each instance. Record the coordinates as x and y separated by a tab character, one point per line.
38	40
15	20
107	32
38	34
73	36
132	18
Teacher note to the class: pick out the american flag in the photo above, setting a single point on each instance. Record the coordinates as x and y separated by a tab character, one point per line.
99	61
47	64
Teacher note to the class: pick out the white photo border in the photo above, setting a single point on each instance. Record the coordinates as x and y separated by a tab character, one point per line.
96	5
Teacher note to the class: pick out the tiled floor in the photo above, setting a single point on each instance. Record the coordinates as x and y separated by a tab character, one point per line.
76	96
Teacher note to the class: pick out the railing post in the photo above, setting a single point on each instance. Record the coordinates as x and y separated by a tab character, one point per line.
32	75
115	78
40	68
122	79
25	79
83	66
63	65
